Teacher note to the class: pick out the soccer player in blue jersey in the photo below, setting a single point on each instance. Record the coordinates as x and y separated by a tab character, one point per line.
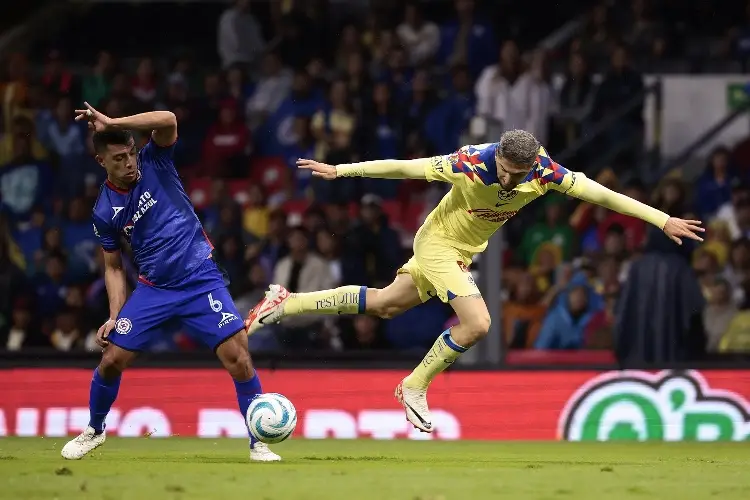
144	201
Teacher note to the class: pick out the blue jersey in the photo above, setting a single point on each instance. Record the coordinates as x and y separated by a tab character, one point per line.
156	217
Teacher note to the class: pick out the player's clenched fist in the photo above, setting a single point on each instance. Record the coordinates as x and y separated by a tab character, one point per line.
322	170
103	333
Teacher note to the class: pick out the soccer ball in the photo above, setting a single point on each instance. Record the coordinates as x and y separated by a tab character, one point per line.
271	418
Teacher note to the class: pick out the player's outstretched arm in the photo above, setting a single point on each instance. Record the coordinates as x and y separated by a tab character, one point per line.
163	124
593	192
378	169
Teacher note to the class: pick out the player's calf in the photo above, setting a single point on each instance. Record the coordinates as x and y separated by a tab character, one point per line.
235	357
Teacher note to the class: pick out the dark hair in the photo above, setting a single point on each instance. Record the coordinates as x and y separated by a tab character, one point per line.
616	229
119	137
519	147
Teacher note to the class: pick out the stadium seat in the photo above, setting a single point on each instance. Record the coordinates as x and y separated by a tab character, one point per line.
238	189
199	190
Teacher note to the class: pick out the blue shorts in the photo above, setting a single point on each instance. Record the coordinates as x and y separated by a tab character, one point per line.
200	304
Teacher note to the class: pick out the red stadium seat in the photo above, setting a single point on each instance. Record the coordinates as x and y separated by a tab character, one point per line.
411	216
394	210
271	173
238	190
199	191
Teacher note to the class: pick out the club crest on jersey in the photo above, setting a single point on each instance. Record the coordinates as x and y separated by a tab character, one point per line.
504	195
128	230
491	215
123	326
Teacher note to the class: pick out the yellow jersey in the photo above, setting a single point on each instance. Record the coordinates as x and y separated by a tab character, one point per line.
477	205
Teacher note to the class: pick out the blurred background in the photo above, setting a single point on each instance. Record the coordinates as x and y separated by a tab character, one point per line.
647	97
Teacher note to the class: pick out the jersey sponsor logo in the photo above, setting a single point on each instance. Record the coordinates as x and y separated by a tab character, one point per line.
116	211
145	202
492	216
227	318
462	266
123	326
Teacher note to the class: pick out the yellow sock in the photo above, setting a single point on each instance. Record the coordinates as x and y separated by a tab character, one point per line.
342	300
442	354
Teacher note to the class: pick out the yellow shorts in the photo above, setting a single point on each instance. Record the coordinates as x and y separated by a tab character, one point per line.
439	269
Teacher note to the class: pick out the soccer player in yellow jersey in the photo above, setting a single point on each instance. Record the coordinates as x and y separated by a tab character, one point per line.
491	183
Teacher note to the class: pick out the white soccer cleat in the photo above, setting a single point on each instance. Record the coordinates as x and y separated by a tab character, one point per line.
83	444
262	453
269	310
414	402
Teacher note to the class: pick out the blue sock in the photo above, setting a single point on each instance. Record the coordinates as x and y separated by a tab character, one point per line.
246	391
101	396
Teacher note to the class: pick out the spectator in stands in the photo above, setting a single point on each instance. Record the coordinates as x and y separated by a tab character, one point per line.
365	333
57	79
598	334
642	30
398	73
20	142
274	246
227	145
373	250
743	218
255	213
727	213
51	287
420	38
66	335
208	105
358	82
576	98
419	104
145	86
350	43
25	181
97	84
255	286
719	313
382	131
707	268
544	266
634	229
15	88
502	92
65	139
450	118
621	85
230	255
328	247
554	229
565	323
240	38
301	271
523	313
13	282
659	316
271	90
238	87
600	33
467	40
714	186
122	95
79	242
22	333
542	99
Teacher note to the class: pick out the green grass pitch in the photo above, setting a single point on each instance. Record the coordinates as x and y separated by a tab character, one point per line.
177	468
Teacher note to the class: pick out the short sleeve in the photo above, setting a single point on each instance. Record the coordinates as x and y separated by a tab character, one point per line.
157	156
107	235
466	167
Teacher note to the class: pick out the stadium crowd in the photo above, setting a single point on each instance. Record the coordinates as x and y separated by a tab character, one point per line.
379	90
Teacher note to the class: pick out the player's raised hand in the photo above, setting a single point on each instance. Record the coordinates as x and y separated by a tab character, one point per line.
677	229
103	333
98	122
322	170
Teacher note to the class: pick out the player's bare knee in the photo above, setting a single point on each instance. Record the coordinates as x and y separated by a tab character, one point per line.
477	328
113	363
378	304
